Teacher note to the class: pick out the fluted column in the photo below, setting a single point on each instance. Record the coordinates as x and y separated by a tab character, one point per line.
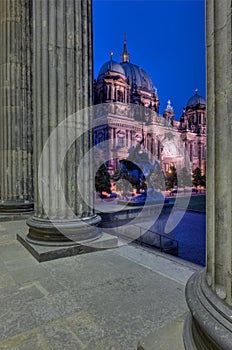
208	293
62	31
16	174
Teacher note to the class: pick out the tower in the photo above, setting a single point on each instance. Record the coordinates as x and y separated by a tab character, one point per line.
168	114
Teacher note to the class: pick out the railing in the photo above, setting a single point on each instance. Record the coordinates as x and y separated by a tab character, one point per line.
165	243
161	241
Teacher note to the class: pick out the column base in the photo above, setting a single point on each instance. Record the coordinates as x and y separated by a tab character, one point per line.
63	232
44	253
209	326
16	207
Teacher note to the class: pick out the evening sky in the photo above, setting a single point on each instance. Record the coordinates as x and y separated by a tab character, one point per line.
166	38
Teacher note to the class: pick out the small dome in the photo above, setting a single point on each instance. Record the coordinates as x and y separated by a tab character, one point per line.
111	66
195	100
137	76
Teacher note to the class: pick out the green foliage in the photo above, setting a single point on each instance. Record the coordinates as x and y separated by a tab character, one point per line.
203	180
184	178
198	179
157	179
123	186
102	180
171	178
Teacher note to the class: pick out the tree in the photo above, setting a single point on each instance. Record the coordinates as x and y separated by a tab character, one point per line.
171	178
102	180
157	179
203	180
184	178
196	177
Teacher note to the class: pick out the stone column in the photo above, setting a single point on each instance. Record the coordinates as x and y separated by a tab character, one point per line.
208	293
127	143
62	33
112	143
16	175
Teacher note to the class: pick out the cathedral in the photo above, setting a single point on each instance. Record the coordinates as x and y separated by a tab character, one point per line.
133	115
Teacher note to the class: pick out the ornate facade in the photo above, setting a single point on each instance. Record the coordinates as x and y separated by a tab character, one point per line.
133	113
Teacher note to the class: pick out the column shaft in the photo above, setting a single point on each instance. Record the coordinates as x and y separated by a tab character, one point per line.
16	173
208	295
219	172
63	86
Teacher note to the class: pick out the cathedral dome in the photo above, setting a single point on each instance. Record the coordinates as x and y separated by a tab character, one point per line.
195	100
137	77
125	82
111	66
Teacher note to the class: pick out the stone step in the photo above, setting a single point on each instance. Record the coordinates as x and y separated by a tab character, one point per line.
167	337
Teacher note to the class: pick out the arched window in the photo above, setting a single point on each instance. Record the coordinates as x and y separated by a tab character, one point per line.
119	96
104	93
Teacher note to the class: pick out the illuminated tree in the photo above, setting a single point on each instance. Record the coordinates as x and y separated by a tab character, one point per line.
171	177
158	178
196	177
184	178
102	180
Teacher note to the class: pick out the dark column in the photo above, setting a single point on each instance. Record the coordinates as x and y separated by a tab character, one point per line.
62	33
16	175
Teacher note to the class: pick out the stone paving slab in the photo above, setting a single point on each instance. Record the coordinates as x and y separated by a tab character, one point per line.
169	336
29	340
106	300
165	265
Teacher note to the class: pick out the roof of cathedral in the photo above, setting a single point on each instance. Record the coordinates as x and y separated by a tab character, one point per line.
196	99
111	66
137	77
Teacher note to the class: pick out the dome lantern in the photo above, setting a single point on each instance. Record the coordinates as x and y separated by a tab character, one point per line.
125	56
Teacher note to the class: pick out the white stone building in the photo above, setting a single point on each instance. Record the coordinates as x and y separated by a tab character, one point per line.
134	110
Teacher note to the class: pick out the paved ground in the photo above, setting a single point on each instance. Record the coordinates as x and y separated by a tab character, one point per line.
108	300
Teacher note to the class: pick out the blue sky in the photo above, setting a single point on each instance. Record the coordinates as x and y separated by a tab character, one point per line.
166	38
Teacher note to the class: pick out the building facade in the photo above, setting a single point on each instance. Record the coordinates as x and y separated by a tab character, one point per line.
133	115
